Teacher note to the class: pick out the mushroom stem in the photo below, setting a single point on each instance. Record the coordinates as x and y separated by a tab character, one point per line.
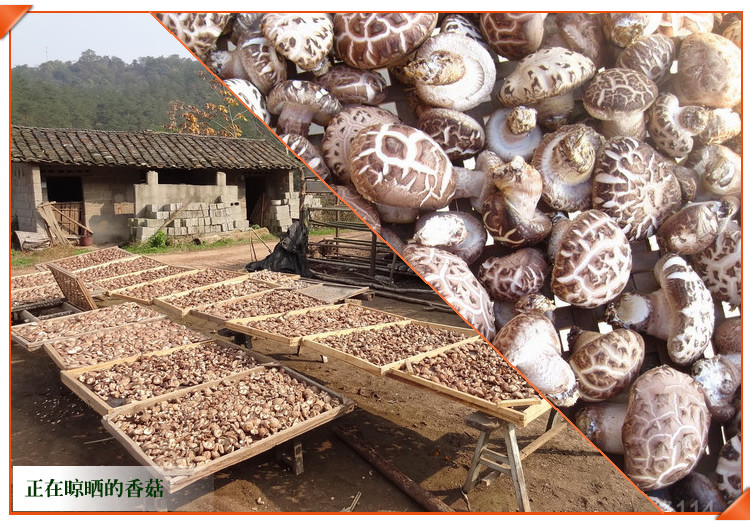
602	424
295	119
553	112
441	67
632	124
396	215
580	154
645	313
521	120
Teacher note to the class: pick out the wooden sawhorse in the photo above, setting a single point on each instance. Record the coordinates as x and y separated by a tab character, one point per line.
509	463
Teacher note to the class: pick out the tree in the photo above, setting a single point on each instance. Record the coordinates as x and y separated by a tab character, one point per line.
219	118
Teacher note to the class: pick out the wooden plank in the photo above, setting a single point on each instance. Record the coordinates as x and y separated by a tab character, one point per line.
242	326
332	293
174	216
313	342
103	407
175	480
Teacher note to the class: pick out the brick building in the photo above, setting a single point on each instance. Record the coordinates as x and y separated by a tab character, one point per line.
124	185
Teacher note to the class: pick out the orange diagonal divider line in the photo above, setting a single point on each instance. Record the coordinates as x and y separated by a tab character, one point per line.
739	510
9	16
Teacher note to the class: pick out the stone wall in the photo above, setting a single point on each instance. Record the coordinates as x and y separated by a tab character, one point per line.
25	195
107	203
195	220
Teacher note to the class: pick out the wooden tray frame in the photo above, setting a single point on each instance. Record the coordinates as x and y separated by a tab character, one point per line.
114	248
241	326
102	407
60	362
75	290
134	273
178	480
222	321
311	342
17	277
123	293
292	276
533	407
163	302
79	272
33	346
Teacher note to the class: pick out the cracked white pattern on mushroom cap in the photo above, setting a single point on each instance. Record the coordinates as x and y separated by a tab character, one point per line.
452	278
720	265
666	428
304	38
593	263
692	303
398	165
250	94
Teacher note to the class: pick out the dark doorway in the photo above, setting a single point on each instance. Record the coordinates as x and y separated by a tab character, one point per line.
256	199
64	189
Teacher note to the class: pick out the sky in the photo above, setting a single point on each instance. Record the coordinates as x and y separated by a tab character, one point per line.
40	37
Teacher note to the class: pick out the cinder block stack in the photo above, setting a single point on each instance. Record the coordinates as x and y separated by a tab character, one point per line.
198	218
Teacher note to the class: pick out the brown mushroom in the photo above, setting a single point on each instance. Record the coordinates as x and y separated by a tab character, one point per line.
364	209
633	185
303	38
342	129
622	29
546	79
619	98
720	379
354	86
451	277
709	71
458	134
255	59
672	127
604	364
651	55
457	232
309	154
198	31
602	423
531	344
583	33
666	428
513	132
729	469
509	210
681	311
719	169
251	96
720	265
593	261
566	160
375	40
513	35
300	103
509	278
695	227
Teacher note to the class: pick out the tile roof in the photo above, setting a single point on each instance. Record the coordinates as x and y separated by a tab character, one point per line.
146	149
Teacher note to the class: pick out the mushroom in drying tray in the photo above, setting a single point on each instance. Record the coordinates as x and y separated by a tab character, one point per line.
375	40
303	38
619	98
342	129
457	133
451	277
452	71
457	232
695	227
511	277
513	35
709	71
251	96
354	86
309	154
300	103
605	364
546	79
509	210
566	160
513	132
635	186
591	259
681	311
666	428
531	344
651	55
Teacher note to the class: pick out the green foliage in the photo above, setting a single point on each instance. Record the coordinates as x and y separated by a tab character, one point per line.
157	240
102	92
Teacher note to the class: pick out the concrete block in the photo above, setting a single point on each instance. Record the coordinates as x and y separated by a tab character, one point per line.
242	225
170	231
216	228
146	232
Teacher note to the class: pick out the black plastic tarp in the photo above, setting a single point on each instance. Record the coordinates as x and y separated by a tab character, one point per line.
289	255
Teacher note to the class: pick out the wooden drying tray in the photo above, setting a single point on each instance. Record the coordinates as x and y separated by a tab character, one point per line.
165	304
520	412
221	321
60	361
26	318
242	326
175	480
122	294
75	290
287	276
33	346
116	262
311	342
103	407
18	277
109	292
126	255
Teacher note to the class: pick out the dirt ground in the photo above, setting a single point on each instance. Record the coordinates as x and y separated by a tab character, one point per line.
423	435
